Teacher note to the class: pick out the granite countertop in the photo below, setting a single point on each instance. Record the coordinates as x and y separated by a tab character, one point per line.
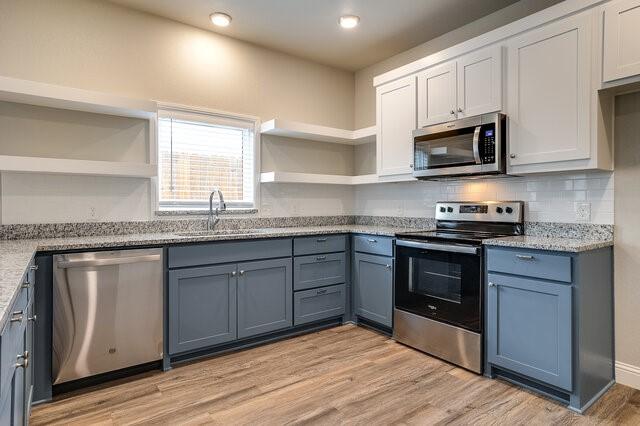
571	245
15	255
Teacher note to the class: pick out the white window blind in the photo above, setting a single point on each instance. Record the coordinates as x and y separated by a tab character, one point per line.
200	152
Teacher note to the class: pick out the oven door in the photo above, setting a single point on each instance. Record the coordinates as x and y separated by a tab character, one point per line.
440	281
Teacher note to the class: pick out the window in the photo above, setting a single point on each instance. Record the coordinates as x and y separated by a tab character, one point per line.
198	152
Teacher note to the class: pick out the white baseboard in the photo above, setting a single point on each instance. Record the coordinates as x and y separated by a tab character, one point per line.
627	374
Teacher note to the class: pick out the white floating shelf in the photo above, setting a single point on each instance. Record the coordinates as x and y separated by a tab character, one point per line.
10	163
294	129
49	95
290	177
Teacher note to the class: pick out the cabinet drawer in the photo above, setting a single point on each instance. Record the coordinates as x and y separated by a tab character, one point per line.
373	244
12	340
226	252
319	244
530	263
318	270
319	304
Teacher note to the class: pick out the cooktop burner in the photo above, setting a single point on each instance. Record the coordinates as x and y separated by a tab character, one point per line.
472	222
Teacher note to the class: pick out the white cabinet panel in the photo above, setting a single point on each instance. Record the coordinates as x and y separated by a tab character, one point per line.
621	49
480	82
396	121
437	94
549	93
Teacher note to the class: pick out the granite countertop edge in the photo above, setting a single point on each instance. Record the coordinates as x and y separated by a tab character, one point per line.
569	245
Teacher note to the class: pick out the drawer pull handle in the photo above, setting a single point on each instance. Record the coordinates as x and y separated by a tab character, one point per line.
322	240
25	355
25	364
321	291
16	316
524	257
321	258
372	240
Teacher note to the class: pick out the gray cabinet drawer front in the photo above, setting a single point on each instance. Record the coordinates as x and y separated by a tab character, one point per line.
373	244
319	244
12	340
318	304
228	251
318	270
529	328
530	263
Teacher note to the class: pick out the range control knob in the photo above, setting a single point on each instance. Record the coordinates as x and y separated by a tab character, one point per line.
499	210
442	209
509	210
450	209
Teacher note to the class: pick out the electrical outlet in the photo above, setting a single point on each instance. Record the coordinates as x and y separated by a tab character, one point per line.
583	212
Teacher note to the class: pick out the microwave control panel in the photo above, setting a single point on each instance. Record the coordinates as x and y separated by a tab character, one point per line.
487	143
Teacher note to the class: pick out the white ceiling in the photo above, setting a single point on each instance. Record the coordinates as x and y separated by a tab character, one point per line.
309	28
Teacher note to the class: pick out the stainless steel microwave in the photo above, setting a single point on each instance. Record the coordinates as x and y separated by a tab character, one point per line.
465	147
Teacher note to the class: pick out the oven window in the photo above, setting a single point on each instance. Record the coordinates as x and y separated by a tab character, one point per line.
435	278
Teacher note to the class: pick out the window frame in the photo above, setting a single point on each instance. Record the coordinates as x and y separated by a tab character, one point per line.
164	108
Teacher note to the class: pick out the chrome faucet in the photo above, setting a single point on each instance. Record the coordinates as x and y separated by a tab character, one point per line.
212	221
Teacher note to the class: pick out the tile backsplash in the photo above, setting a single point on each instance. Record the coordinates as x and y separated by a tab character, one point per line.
573	198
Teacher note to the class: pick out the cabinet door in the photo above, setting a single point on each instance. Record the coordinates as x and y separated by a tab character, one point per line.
529	328
396	121
28	378
621	47
265	296
437	94
479	77
373	285
549	93
5	408
202	307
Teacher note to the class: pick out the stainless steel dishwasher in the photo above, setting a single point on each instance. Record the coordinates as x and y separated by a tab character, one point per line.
107	311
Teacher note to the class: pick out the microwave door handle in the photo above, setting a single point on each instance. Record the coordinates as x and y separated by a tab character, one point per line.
476	145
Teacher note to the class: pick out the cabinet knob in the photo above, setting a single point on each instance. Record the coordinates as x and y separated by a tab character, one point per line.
459	109
411	166
491	284
33	267
33	318
512	156
241	272
24	355
233	273
388	266
453	112
24	364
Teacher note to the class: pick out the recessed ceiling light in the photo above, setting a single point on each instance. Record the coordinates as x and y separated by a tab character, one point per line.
220	19
349	21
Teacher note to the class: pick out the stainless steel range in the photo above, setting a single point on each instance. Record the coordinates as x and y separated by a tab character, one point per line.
439	279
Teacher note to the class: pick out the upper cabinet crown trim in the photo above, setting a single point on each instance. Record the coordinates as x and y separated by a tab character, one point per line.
527	23
70	98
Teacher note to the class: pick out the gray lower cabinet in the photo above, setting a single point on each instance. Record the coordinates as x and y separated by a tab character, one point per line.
319	303
530	328
373	288
202	307
264	296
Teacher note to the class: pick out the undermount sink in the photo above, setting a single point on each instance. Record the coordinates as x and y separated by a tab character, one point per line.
217	232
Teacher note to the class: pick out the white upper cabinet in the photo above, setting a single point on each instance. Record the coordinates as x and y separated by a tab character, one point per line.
396	121
437	94
468	86
480	82
621	47
549	93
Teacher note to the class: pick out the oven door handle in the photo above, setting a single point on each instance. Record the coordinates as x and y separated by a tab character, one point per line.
476	145
453	248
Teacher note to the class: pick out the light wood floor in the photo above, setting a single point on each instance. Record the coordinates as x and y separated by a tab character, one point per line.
344	375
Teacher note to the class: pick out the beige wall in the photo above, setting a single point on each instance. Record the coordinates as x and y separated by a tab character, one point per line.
365	102
627	232
101	46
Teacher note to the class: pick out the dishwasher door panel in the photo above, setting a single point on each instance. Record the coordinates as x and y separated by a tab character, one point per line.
107	312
